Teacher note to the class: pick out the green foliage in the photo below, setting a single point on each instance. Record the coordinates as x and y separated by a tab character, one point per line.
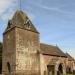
1	47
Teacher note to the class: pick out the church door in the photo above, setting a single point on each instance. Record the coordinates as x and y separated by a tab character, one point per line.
60	69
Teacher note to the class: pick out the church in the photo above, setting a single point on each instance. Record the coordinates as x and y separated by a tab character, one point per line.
23	54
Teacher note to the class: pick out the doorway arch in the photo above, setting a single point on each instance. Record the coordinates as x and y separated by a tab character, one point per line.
60	68
8	66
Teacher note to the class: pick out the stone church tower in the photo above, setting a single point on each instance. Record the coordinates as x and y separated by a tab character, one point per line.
21	46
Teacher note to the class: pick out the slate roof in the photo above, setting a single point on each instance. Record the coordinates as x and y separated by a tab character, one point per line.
51	50
21	20
70	58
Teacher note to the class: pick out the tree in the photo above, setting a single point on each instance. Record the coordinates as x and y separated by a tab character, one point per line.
1	47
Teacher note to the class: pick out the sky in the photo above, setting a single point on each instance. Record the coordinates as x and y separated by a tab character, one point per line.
54	19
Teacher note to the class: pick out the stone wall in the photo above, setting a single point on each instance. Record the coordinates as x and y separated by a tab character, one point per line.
27	48
48	60
70	66
8	54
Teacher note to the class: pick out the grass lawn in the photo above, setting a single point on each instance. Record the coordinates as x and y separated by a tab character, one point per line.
69	74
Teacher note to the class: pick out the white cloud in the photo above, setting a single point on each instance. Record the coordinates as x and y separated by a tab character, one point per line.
4	4
57	9
6	7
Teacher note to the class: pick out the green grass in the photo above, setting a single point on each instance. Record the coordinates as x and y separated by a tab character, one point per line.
69	74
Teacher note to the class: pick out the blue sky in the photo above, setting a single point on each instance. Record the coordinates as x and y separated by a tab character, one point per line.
54	19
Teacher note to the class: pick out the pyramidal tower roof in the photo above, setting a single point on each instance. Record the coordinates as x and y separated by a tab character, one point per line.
21	20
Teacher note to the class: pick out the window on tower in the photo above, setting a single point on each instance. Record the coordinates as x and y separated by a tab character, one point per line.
9	23
27	24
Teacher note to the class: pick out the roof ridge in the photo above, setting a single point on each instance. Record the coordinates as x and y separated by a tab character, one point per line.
51	50
69	56
48	44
